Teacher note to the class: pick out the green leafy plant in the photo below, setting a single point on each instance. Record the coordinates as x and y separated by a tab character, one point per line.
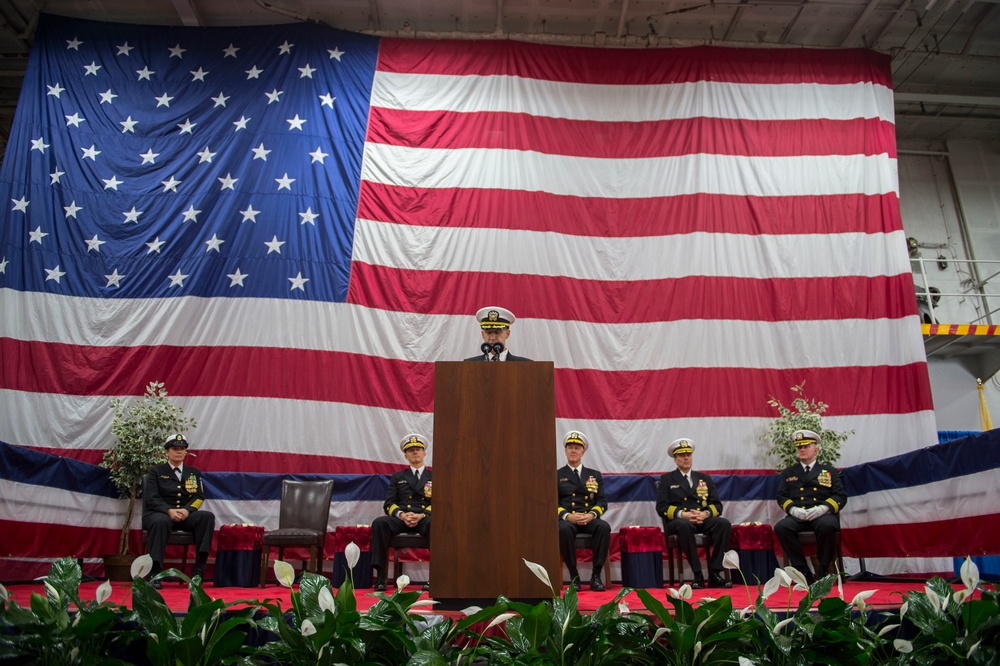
952	626
803	414
139	429
938	625
50	632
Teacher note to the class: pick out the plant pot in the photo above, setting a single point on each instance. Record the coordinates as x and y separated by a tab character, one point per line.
118	568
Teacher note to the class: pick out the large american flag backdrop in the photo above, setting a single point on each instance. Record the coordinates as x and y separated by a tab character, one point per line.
288	225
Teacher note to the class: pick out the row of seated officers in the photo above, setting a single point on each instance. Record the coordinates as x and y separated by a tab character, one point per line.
811	494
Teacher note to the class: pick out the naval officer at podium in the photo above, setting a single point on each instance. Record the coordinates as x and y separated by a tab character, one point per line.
495	324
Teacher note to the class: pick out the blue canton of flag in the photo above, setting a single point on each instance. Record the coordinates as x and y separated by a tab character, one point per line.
154	162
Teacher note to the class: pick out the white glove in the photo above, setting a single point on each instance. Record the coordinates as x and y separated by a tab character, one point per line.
798	512
817	511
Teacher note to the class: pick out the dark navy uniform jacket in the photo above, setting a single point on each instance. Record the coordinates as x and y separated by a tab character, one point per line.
576	497
821	486
675	495
161	490
405	494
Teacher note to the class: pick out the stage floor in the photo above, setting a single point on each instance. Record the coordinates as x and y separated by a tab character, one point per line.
888	595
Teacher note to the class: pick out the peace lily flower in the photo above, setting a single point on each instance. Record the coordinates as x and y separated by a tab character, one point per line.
970	574
961	595
800	580
902	609
284	572
659	632
781	625
325	600
697	651
745	662
4	595
731	560
308	628
402	582
423	602
353	554
771	586
783	578
539	572
887	628
683	593
860	598
499	619
52	592
973	648
141	566
103	591
471	610
906	647
623	608
840	583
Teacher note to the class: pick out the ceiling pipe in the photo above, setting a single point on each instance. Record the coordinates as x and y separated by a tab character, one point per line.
622	19
187	12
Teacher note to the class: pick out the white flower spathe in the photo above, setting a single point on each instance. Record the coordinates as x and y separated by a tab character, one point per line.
103	591
141	566
284	572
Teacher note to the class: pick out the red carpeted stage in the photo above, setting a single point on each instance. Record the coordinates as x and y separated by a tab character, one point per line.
889	595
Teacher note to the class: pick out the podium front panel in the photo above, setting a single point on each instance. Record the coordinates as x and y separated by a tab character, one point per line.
495	497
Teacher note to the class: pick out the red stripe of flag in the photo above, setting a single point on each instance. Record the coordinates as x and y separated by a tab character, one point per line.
630	140
408	385
634	67
621	218
670	299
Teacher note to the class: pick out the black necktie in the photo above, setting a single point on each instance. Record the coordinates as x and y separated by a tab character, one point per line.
416	475
577	472
687	480
808	467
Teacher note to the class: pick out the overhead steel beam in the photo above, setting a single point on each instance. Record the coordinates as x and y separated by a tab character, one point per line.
187	12
963	100
858	26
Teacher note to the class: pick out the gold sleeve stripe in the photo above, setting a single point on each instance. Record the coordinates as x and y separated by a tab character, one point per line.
784	507
836	507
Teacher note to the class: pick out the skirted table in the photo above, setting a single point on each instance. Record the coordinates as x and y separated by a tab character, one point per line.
237	556
754	543
642	556
361	535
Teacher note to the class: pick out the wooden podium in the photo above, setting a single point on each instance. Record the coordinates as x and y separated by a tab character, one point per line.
495	492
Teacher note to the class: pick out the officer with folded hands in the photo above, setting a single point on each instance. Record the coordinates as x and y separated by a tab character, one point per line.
812	495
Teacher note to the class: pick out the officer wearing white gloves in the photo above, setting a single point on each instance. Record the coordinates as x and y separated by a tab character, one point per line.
813	496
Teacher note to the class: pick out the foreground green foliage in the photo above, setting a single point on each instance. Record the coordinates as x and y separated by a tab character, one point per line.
935	626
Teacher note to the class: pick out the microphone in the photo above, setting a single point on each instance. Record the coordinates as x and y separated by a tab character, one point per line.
497	348
485	348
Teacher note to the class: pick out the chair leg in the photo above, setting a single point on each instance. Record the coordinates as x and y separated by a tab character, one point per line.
607	570
397	568
264	552
670	565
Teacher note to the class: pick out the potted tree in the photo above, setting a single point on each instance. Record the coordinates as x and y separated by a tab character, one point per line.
803	414
139	427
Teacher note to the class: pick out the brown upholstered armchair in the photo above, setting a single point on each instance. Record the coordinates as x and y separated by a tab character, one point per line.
305	512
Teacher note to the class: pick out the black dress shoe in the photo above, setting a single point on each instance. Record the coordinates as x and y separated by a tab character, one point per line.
576	584
716	580
157	584
380	585
698	583
596	585
426	586
196	573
